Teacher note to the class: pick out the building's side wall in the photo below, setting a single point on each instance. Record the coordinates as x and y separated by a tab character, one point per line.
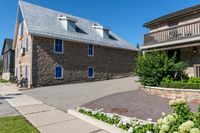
21	61
107	62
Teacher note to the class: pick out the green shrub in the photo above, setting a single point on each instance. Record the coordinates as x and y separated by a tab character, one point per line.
154	66
180	85
194	80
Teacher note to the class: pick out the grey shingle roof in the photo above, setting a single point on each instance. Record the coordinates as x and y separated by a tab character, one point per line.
173	15
43	21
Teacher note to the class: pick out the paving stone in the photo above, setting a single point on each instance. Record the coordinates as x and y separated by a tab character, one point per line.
34	109
19	99
72	126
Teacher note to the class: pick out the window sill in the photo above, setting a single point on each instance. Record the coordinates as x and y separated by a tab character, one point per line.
58	52
90	55
58	78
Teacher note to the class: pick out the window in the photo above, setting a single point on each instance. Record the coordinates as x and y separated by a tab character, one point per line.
90	72
26	72
58	46
71	25
16	52
26	44
58	72
22	28
90	50
21	49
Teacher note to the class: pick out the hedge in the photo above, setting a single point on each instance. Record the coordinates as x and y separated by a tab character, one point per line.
180	85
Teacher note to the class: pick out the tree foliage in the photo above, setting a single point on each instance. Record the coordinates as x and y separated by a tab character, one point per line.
155	66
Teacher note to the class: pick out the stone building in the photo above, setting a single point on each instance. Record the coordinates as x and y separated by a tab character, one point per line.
8	59
52	47
177	32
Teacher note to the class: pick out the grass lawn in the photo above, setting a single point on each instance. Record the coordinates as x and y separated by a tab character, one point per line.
16	124
3	81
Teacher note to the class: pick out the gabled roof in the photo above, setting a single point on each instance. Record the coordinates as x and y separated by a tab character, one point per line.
7	45
44	22
173	15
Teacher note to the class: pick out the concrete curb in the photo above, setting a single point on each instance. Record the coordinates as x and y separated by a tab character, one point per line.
95	122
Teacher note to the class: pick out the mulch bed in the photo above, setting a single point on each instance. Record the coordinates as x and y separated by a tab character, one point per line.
134	104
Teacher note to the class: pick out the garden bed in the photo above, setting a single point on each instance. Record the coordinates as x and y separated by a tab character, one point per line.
110	122
191	95
182	120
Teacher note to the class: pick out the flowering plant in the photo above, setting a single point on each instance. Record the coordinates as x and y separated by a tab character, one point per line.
182	120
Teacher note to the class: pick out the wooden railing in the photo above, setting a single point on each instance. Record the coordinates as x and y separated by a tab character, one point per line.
175	33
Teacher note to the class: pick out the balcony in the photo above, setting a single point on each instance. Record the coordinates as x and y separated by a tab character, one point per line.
172	34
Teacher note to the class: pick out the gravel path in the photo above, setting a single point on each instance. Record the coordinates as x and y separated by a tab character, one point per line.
134	104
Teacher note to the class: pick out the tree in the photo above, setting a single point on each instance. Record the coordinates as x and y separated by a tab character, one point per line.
155	66
1	65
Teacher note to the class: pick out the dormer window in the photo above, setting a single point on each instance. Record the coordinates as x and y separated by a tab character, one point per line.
71	25
68	23
102	31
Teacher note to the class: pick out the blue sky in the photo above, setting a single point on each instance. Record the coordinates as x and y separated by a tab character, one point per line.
124	17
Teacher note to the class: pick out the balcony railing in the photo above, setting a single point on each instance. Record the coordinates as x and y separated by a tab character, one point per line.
175	33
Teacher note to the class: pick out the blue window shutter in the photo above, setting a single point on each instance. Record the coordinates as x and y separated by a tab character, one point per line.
58	72
22	28
26	44
26	72
90	72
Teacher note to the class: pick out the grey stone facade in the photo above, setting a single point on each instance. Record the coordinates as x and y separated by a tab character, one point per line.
107	62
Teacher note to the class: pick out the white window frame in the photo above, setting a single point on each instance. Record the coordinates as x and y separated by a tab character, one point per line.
55	47
92	50
55	72
91	77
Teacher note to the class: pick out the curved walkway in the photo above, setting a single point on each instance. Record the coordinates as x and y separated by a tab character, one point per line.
134	104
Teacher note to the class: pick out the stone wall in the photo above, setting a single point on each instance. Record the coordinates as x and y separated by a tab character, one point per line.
171	93
107	62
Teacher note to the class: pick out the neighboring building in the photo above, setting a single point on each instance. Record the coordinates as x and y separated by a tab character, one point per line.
52	47
177	32
8	56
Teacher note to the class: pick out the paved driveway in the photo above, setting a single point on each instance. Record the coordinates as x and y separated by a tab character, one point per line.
69	96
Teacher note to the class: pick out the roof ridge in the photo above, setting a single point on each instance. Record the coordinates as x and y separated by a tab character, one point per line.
54	10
